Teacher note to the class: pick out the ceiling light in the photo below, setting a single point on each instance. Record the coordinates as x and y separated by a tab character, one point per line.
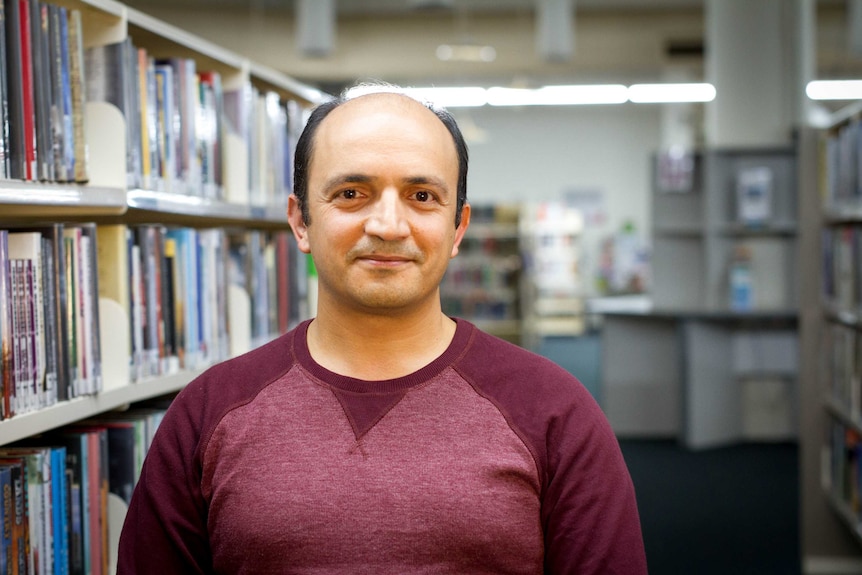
558	95
670	93
834	89
466	53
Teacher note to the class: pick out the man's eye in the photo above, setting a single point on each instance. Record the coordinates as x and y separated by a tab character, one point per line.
349	194
423	196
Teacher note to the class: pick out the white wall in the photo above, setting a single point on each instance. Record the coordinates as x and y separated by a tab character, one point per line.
538	153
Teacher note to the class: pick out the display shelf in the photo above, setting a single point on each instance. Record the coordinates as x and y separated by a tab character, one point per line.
696	233
66	412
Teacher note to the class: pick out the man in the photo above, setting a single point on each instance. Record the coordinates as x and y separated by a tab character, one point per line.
382	436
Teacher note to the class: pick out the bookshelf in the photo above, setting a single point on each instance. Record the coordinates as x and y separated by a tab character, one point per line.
714	356
831	328
482	284
230	198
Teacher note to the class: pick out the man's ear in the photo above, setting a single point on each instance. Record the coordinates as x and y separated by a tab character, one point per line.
297	225
461	229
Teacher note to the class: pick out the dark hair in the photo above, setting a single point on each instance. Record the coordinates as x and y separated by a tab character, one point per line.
305	148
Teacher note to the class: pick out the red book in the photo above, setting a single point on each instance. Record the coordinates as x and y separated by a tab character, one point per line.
27	88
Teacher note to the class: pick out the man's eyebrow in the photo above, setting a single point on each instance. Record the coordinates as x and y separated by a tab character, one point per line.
347	179
426	180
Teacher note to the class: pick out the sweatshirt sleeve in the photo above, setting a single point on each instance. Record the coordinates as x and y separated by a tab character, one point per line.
589	513
589	510
165	530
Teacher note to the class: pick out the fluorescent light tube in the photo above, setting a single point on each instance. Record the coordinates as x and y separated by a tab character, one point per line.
466	53
451	97
670	93
834	90
558	95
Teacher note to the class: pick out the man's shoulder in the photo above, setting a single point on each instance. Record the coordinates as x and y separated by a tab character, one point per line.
243	376
490	357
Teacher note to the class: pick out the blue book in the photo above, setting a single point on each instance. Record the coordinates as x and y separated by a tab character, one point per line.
60	511
7	513
78	493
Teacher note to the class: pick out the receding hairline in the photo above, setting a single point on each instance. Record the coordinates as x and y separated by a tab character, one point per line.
382	100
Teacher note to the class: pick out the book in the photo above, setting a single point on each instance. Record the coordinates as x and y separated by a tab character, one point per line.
42	90
147	242
184	98
210	133
7	519
23	394
59	109
146	131
28	91
76	446
54	301
59	508
74	331
15	86
77	75
7	366
4	98
19	531
27	247
166	114
37	461
90	277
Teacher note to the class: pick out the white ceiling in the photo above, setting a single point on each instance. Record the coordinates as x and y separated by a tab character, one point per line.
396	40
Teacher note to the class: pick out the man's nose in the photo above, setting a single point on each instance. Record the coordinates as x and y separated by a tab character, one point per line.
388	217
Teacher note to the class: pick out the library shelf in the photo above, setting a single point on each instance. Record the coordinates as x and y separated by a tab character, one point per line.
55	201
79	408
109	197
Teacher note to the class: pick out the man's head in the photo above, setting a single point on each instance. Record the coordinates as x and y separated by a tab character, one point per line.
305	150
380	192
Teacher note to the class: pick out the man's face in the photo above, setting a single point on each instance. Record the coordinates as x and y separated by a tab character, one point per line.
381	197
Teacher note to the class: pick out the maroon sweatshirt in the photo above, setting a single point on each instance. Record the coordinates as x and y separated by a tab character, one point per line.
491	459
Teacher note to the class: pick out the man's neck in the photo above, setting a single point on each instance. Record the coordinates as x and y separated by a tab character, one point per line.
378	346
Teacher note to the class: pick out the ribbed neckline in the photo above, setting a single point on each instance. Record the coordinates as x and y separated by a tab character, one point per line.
459	341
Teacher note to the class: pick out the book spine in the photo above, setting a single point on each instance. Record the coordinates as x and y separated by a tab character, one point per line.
77	77
7	375
28	91
17	154
92	279
4	98
41	90
49	307
56	73
7	519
